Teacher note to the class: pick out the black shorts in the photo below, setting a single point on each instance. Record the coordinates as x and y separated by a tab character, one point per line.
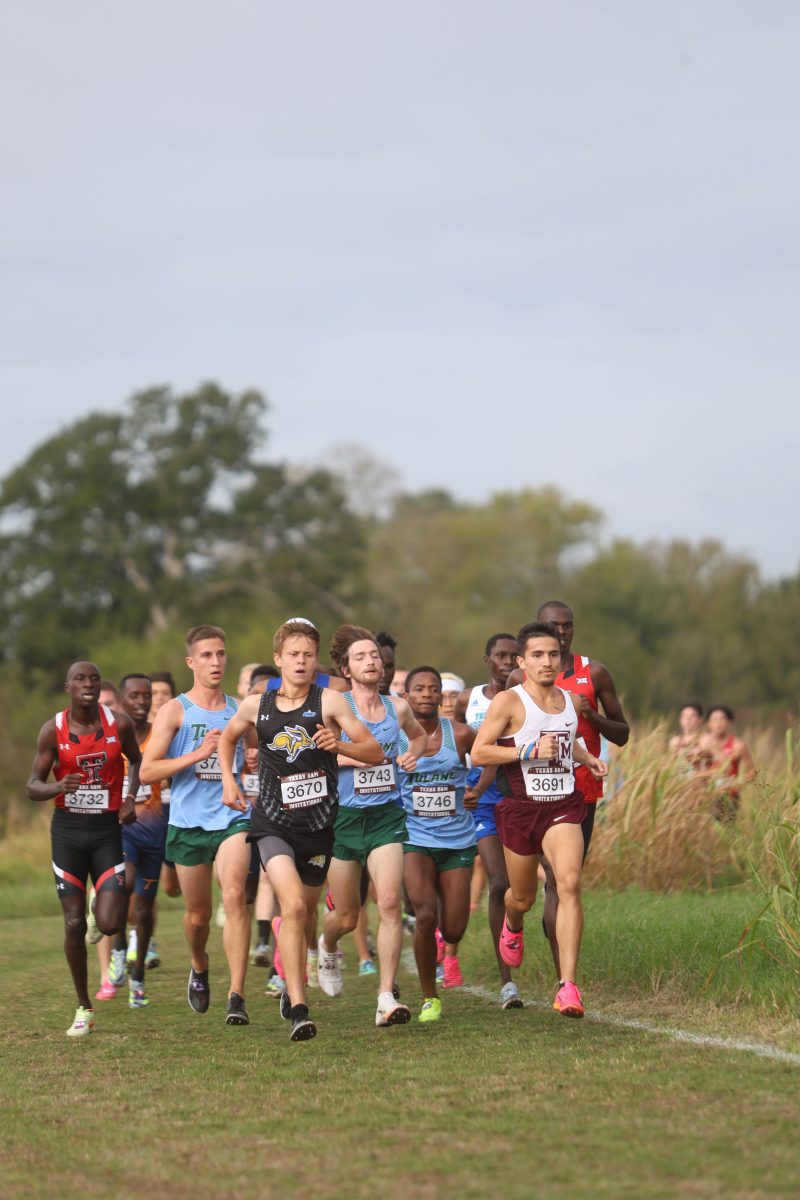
311	851
84	845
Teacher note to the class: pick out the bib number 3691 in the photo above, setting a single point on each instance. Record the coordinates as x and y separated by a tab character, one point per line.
301	791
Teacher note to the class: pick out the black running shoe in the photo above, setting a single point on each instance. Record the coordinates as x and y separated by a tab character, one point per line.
198	992
285	1005
303	1027
237	1013
395	990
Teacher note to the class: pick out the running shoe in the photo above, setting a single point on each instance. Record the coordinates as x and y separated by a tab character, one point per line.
409	922
431	1010
133	942
116	968
198	992
259	957
509	995
152	959
106	991
367	967
303	1028
389	1012
285	1006
275	987
311	968
93	933
329	972
277	965
440	972
568	1000
511	945
236	1013
83	1023
221	915
440	946
452	972
137	997
395	990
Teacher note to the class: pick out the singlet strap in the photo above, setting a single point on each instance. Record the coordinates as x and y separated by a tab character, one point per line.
388	704
185	701
350	700
448	737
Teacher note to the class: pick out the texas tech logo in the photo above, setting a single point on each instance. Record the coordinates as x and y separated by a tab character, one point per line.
91	765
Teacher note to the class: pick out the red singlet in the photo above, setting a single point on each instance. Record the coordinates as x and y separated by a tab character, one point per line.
579	682
97	758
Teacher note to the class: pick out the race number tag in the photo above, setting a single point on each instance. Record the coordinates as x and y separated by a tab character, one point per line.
144	793
87	800
550	779
209	769
437	800
250	785
301	791
373	781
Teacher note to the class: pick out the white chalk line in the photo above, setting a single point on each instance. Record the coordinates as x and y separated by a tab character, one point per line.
761	1049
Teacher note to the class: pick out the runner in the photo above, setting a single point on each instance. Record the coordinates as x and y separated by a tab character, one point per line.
599	715
398	687
183	745
500	656
530	732
388	646
686	744
323	679
441	834
298	729
452	687
164	689
730	763
370	828
83	747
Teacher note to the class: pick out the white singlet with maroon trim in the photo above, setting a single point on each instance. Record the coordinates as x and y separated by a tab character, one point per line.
543	779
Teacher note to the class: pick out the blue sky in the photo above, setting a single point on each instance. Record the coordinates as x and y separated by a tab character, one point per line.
496	245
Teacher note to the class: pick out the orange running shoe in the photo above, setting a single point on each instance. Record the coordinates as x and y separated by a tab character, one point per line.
568	1000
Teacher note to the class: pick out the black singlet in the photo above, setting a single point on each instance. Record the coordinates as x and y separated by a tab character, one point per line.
298	785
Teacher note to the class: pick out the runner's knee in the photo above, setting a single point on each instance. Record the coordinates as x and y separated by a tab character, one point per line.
75	925
390	905
569	883
293	908
426	915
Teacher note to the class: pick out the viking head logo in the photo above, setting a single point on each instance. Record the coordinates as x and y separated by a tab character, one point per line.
292	741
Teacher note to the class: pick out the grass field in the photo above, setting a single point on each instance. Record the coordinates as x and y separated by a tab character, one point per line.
162	1102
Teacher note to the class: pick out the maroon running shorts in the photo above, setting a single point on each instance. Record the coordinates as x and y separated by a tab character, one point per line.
523	823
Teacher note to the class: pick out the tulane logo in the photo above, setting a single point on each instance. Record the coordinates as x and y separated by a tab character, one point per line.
292	740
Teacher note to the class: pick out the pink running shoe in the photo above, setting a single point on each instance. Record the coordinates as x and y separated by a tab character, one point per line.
440	944
452	972
568	1000
277	965
511	946
107	991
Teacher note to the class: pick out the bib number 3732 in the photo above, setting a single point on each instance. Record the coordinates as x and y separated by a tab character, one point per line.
87	800
301	791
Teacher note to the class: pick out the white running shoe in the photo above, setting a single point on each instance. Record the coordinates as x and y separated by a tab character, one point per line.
509	995
116	968
221	914
93	934
83	1024
329	973
389	1012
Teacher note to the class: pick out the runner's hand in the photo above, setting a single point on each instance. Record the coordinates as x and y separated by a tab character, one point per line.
233	798
70	783
598	768
471	798
209	744
407	761
325	739
127	811
548	746
251	759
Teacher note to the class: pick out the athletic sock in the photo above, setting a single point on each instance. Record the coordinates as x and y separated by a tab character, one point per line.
264	930
386	1000
299	1012
119	942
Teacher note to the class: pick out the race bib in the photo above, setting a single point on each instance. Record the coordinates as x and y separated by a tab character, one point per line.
301	791
144	793
544	782
373	781
87	800
250	785
209	769
437	800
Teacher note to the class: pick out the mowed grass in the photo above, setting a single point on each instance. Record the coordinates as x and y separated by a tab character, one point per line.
163	1102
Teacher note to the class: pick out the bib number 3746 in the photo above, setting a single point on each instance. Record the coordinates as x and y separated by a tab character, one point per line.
438	800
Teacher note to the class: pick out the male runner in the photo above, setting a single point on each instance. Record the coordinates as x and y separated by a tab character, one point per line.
599	714
730	763
686	744
530	732
370	827
298	729
388	646
441	834
323	679
500	656
83	747
164	689
202	830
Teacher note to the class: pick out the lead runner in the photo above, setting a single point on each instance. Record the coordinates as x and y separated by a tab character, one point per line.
529	732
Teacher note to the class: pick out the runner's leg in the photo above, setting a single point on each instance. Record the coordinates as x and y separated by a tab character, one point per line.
233	865
420	880
563	845
490	850
386	869
195	885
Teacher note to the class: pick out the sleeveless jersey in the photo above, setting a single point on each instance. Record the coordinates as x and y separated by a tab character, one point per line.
320	679
148	797
578	680
433	796
297	782
726	759
542	779
97	758
368	786
196	792
477	708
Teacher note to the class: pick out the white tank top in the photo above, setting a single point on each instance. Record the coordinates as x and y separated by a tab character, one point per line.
477	707
543	779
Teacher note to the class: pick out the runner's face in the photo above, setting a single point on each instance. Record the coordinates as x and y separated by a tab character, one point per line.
399	682
541	661
297	661
137	698
448	705
689	721
207	661
425	695
364	663
387	675
718	723
243	687
108	698
83	683
162	692
562	619
502	659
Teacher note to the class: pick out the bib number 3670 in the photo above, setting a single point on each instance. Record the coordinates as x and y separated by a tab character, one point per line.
301	791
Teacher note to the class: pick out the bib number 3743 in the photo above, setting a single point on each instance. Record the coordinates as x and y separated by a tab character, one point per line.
301	791
374	780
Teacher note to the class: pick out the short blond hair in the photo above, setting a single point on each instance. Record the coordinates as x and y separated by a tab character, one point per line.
294	628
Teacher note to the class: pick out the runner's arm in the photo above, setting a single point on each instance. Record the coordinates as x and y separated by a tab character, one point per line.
133	753
417	737
37	786
611	721
238	727
485	752
337	715
155	765
584	759
747	768
460	711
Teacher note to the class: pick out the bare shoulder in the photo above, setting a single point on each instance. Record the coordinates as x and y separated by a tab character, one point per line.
517	676
248	709
463	733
